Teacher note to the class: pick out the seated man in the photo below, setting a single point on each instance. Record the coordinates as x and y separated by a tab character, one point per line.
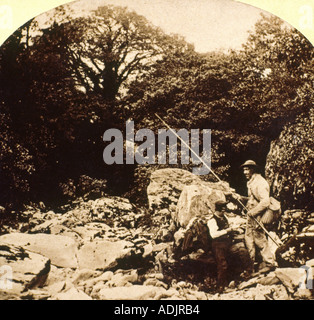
212	233
222	246
219	231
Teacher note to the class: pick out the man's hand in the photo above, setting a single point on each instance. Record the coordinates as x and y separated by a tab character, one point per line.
246	212
236	196
231	230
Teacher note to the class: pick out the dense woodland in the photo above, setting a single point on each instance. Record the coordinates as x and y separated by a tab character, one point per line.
64	83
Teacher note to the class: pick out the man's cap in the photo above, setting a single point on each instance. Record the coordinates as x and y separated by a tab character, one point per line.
249	163
220	204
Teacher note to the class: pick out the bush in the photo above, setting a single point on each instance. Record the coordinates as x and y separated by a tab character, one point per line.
290	164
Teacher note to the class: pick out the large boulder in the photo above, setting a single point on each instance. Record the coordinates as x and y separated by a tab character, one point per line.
291	278
20	270
166	186
61	250
196	200
103	254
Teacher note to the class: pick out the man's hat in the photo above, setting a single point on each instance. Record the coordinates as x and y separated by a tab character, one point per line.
249	163
220	204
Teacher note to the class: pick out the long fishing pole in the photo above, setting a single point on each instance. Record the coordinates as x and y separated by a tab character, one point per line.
215	175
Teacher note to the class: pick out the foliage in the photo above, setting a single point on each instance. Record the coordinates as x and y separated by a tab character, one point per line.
245	97
108	47
86	187
64	83
290	164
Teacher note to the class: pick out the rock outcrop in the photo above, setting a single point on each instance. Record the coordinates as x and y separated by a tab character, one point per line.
61	250
168	186
106	249
197	200
20	270
103	254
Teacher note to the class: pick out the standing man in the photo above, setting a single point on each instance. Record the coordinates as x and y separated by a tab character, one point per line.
258	202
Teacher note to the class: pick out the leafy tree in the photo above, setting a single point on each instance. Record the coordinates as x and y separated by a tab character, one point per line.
290	164
16	161
245	97
65	83
62	84
274	76
107	47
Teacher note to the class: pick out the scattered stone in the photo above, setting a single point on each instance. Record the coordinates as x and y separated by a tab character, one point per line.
168	294
252	282
55	288
310	263
100	281
55	275
269	280
159	247
61	250
166	186
102	254
280	293
155	282
198	199
260	292
49	215
200	295
106	276
35	294
21	269
72	294
42	228
291	278
55	226
136	292
104	208
84	274
158	276
121	278
93	291
305	294
148	250
93	238
164	235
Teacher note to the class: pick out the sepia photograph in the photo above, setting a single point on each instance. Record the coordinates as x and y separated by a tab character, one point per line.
157	150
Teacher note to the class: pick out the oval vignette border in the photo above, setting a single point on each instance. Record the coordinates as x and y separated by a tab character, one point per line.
299	14
290	11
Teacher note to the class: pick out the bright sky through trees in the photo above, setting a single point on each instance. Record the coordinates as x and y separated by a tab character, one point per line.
208	24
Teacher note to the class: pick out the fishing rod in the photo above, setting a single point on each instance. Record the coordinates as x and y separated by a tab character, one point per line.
215	175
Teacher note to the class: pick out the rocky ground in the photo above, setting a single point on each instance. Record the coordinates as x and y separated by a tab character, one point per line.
108	249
